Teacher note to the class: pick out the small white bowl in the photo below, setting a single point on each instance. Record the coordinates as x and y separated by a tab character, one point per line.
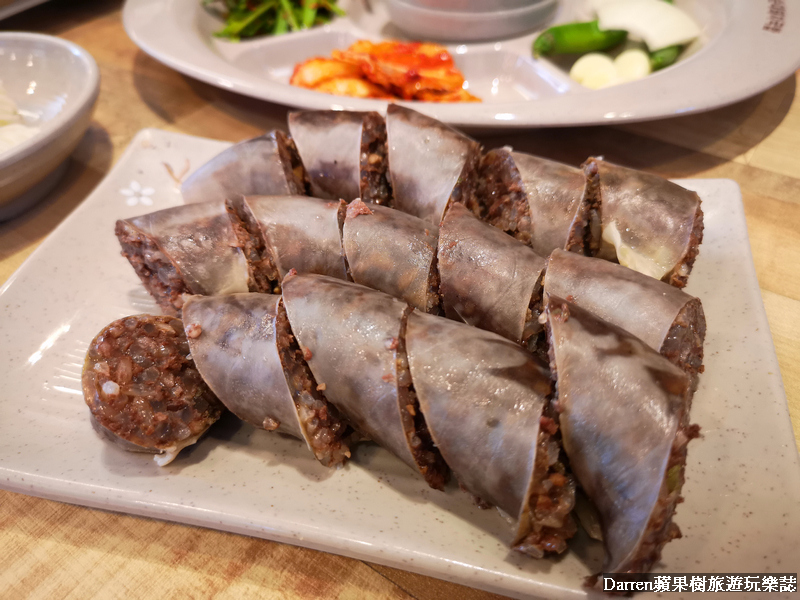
459	26
54	84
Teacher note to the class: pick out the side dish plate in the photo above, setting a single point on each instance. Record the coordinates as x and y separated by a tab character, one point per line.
743	478
746	47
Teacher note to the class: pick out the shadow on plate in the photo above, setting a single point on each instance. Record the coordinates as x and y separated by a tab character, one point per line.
242	438
390	471
271	448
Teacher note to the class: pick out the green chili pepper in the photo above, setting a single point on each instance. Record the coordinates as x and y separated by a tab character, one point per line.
576	38
664	57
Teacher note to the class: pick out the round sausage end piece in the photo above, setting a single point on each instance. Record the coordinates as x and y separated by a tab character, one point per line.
142	386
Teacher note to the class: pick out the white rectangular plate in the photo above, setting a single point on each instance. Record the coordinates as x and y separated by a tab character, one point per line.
743	482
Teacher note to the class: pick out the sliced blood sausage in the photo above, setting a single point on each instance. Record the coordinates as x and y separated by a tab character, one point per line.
489	279
244	349
649	224
486	404
266	165
431	165
191	248
352	338
143	388
393	252
662	316
540	202
298	232
344	153
624	419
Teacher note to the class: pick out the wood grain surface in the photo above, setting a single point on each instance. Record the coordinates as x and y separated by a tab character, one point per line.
53	550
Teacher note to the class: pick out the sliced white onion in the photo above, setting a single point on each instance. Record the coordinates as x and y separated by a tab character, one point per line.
655	266
632	64
594	70
659	24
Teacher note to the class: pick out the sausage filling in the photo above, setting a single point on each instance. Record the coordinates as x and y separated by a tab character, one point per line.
141	384
295	172
552	496
683	345
253	242
590	225
326	431
434	303
160	277
466	189
501	190
375	185
262	274
429	460
533	336
586	231
341	217
680	274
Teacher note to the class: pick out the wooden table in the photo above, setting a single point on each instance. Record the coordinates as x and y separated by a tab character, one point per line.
51	550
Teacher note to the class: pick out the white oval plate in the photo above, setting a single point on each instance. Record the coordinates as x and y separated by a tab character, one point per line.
747	46
741	513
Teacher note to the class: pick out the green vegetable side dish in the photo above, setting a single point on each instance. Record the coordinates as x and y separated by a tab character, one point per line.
664	57
582	38
249	18
576	38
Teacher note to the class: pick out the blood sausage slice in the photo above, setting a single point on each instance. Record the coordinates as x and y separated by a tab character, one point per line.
352	338
662	316
393	252
266	165
300	233
649	224
185	249
245	351
143	389
485	401
489	279
540	202
431	165
624	419
344	153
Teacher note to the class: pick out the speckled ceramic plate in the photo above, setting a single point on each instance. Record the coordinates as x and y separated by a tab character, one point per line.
743	480
746	47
